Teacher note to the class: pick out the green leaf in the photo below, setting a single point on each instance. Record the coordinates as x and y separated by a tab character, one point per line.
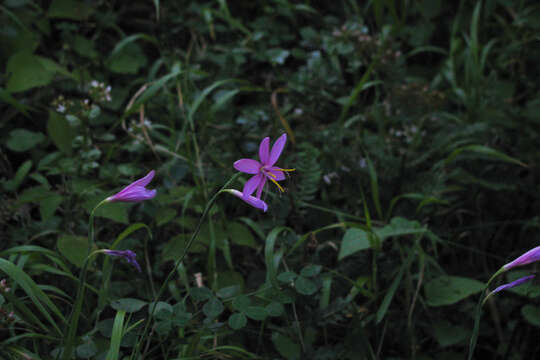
60	132
275	309
26	71
86	350
311	270
354	240
19	177
116	337
240	235
201	293
256	313
213	308
399	227
447	290
531	313
241	303
74	248
448	334
69	9
287	276
164	215
129	60
288	349
128	305
305	286
237	321
48	206
22	140
484	151
116	211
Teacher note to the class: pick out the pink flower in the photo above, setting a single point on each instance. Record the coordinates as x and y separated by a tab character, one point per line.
129	255
251	200
264	169
136	191
513	284
527	258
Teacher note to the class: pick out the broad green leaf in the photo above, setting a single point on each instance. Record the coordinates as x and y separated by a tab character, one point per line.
288	349
241	303
237	321
60	132
128	305
48	206
26	71
19	177
20	140
86	350
305	286
201	293
74	248
240	235
287	276
398	227
447	290
531	313
354	240
311	270
129	60
256	313
213	308
275	309
448	334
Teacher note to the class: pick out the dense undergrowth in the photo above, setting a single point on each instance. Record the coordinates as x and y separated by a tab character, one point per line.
413	129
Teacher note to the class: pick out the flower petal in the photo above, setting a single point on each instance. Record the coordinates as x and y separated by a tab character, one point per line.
251	200
527	258
513	284
279	175
252	184
135	191
133	194
264	150
260	187
145	180
248	166
277	149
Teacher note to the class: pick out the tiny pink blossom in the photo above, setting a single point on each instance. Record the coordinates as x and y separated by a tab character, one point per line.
136	191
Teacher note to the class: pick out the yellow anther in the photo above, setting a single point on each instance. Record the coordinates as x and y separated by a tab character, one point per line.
285	169
279	186
272	175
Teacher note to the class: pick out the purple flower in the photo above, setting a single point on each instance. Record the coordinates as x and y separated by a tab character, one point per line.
513	284
136	191
251	200
263	170
527	258
129	255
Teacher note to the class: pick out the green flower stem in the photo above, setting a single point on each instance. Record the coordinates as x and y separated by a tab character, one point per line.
180	260
73	321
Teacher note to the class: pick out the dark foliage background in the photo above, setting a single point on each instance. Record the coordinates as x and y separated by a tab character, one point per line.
413	129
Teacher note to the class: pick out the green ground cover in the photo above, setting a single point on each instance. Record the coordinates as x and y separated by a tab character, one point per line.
413	131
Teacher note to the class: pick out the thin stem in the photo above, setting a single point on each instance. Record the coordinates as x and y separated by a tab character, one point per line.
181	259
76	312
